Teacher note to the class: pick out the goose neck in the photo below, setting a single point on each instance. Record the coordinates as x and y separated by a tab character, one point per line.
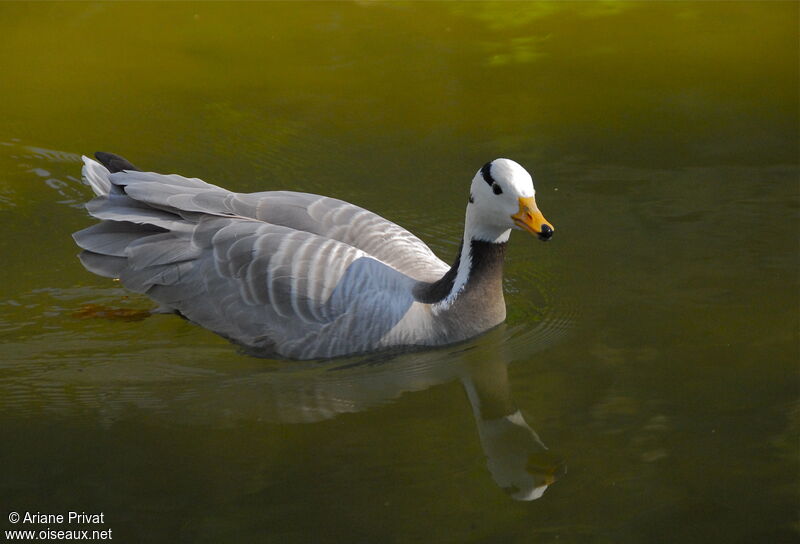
478	268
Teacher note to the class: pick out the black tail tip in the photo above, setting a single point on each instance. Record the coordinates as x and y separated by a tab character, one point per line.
114	163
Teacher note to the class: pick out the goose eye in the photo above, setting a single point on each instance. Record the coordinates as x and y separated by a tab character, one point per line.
496	189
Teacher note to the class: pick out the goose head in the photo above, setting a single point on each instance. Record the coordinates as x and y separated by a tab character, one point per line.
502	198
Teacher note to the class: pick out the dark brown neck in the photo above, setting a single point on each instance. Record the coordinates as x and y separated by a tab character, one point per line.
484	276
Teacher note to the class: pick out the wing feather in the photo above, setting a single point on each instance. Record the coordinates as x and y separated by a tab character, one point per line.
324	216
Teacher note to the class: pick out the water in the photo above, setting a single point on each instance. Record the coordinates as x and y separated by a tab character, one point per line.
650	354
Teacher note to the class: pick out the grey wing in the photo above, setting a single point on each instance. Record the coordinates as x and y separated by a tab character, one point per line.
347	223
324	216
264	286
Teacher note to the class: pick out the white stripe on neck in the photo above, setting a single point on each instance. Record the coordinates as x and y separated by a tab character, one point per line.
465	261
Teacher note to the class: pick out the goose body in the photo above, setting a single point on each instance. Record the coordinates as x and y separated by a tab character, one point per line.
301	275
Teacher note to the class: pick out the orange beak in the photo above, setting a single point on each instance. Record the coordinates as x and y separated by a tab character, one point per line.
531	219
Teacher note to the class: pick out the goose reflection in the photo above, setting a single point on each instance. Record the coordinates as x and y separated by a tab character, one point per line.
204	388
517	459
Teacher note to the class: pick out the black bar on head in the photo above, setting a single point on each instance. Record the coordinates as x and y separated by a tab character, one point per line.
486	172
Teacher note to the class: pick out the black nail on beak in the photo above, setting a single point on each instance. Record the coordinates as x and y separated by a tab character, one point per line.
546	234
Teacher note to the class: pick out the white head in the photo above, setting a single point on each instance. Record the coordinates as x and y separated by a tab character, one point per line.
502	198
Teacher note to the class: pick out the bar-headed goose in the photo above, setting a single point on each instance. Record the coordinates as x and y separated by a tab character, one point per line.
302	275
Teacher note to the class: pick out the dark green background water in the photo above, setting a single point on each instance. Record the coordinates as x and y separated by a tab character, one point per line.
652	345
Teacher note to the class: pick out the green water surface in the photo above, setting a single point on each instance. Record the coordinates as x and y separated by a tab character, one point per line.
646	380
